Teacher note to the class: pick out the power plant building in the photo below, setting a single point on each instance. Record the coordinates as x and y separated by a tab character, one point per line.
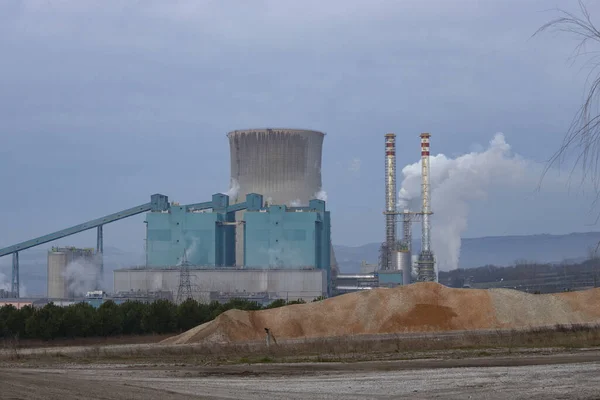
203	238
59	283
226	283
285	237
286	256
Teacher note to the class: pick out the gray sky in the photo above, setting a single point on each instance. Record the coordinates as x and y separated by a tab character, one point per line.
103	103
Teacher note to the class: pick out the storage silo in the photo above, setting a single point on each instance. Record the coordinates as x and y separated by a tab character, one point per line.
405	265
63	286
283	165
58	287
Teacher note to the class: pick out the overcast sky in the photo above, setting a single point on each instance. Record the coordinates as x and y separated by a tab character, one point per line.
103	103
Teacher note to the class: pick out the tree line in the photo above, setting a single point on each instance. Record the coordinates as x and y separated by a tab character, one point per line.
111	319
527	272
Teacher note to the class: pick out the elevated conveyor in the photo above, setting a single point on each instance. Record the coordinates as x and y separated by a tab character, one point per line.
158	202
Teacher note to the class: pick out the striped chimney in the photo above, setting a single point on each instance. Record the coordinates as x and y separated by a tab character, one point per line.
425	192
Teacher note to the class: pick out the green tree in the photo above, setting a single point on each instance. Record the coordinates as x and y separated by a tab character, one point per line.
299	301
190	313
215	309
109	319
45	323
241	304
79	320
7	315
20	320
133	312
277	303
160	317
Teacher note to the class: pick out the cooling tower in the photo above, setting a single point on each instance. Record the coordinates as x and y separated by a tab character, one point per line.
284	165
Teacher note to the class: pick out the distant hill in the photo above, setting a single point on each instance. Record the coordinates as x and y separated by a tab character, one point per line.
496	250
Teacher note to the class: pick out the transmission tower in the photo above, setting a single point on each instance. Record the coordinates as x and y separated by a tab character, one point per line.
185	290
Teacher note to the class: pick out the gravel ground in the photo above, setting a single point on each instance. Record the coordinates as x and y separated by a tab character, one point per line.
557	376
573	381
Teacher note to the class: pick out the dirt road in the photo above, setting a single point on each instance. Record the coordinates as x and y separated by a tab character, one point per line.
573	376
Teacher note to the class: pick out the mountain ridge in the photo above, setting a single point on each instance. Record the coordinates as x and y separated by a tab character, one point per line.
491	250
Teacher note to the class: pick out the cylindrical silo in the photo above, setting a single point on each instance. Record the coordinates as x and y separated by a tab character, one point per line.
65	282
58	287
283	165
405	265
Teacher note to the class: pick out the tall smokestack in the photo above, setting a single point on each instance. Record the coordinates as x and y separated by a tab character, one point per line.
426	241
389	261
426	270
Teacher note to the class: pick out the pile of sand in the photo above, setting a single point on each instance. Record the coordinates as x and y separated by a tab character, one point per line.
421	307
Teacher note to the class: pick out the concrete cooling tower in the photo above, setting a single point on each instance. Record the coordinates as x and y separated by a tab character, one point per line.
284	165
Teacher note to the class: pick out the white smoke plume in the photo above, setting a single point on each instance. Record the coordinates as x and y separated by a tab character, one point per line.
234	189
5	283
454	184
321	195
156	283
295	203
83	274
190	251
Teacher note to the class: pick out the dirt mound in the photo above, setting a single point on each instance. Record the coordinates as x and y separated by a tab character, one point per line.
421	307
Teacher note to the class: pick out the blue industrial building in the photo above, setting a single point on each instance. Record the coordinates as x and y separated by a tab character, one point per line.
204	238
203	234
288	237
275	236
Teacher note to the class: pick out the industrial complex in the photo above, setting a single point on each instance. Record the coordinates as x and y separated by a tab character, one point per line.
396	265
268	238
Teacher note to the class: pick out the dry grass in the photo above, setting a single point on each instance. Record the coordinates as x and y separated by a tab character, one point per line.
346	349
88	341
11	348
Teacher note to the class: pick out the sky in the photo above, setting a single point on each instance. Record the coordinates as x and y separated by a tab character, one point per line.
103	103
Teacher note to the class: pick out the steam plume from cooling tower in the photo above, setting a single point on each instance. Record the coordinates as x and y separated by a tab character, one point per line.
321	195
234	188
454	184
